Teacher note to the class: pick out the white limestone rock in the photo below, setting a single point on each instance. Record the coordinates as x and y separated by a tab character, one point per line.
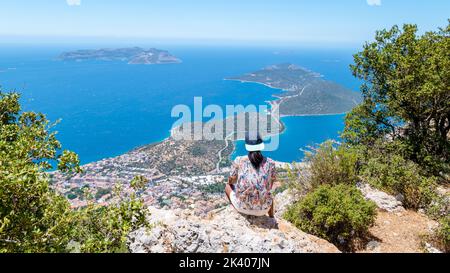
383	200
224	231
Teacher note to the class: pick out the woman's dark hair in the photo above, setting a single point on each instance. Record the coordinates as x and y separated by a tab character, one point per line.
256	158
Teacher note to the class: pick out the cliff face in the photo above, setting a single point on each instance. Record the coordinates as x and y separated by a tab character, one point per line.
223	231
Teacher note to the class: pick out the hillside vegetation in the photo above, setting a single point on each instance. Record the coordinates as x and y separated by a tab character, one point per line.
396	140
33	217
305	92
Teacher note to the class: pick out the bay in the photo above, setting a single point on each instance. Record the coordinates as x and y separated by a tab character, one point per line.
109	108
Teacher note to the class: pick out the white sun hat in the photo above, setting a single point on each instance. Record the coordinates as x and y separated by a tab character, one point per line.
253	142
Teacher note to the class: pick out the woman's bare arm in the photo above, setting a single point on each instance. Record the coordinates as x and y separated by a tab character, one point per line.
232	180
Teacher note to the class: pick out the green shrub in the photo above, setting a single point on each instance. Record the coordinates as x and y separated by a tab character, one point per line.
338	214
443	234
103	229
440	238
395	175
331	165
439	207
33	216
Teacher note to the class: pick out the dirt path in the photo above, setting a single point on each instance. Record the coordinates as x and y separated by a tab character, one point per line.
276	104
399	232
221	151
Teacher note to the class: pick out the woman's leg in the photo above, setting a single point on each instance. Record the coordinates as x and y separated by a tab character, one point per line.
228	190
271	212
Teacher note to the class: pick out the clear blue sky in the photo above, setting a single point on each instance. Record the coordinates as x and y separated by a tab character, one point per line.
317	21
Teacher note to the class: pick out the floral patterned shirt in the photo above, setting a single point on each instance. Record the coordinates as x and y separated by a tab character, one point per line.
253	186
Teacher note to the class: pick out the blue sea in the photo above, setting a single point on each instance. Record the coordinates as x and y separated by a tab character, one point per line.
108	108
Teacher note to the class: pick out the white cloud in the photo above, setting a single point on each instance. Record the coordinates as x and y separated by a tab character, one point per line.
374	2
73	2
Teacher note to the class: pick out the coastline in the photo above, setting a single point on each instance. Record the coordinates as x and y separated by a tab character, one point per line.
276	102
314	115
278	98
260	83
233	142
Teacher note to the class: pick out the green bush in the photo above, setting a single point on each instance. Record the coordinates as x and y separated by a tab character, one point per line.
443	234
439	207
103	229
338	214
33	216
440	238
395	175
405	96
333	165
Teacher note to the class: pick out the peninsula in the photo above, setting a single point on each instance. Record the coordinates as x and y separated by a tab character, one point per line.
306	92
132	55
189	173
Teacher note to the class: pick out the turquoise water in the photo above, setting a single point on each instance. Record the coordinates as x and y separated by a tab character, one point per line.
109	108
301	132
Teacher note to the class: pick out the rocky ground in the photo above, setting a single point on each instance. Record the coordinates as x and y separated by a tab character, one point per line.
396	229
402	232
223	230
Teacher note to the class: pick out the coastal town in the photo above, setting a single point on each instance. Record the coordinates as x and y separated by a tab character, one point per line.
180	174
185	171
200	194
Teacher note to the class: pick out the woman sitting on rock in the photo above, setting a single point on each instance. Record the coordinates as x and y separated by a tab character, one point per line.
251	180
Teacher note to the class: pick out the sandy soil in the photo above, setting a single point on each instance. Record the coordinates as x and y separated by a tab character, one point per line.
399	232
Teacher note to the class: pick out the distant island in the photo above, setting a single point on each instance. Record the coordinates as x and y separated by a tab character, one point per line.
132	55
306	92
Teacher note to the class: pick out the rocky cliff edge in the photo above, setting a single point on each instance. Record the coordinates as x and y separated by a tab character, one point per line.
223	231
